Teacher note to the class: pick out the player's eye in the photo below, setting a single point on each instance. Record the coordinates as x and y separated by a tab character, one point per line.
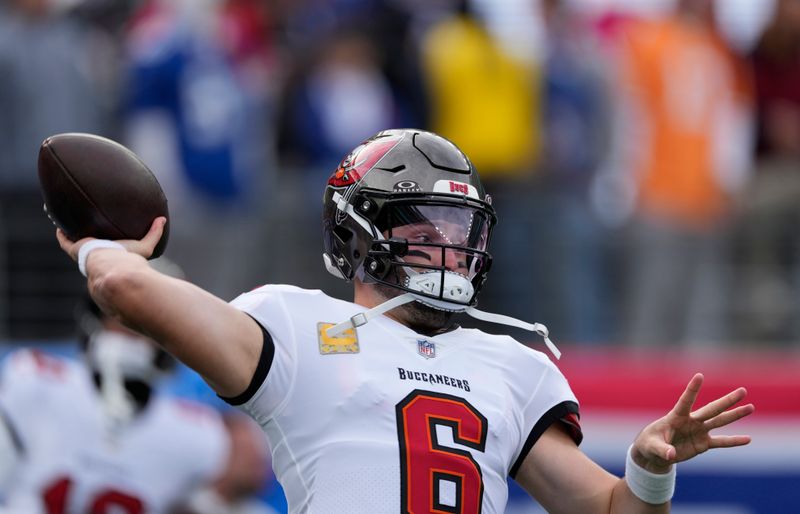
420	253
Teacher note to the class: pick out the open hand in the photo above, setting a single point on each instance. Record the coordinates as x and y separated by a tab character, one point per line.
143	247
683	433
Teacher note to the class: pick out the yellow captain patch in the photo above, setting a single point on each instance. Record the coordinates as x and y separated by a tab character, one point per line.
347	342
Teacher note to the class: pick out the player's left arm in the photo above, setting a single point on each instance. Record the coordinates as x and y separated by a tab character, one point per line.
564	479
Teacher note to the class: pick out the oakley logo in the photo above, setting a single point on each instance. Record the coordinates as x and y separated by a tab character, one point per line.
406	186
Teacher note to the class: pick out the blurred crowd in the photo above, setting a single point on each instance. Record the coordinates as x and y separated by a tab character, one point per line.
643	157
644	162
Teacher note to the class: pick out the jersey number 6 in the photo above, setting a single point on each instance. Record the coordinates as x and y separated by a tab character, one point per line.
434	478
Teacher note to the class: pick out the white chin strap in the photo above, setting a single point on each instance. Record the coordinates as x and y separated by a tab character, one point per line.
456	287
514	322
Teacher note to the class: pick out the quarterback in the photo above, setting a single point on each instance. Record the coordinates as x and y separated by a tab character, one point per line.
383	403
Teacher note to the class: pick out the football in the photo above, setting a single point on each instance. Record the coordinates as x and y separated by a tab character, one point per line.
95	187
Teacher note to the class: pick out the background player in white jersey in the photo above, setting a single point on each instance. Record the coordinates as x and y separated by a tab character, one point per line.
246	470
95	437
383	404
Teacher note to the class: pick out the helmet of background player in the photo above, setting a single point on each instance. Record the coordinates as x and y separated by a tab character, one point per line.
125	365
406	209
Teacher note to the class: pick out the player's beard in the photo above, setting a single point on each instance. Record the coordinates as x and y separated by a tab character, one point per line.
417	316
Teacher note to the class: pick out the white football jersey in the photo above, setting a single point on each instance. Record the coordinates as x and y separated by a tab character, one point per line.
387	420
69	462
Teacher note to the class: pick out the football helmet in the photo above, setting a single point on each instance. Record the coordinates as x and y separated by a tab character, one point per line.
406	208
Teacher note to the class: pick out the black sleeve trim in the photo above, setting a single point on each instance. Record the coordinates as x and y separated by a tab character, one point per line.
262	369
557	413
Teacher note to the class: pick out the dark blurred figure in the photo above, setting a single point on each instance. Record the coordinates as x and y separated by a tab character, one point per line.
199	89
576	106
247	469
338	100
336	94
685	150
769	305
330	40
50	84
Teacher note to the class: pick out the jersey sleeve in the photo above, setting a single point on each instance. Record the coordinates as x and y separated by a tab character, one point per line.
550	400
276	370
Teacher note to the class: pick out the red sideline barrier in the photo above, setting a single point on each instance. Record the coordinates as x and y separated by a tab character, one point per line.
615	378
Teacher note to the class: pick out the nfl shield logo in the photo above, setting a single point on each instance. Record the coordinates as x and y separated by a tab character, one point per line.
426	348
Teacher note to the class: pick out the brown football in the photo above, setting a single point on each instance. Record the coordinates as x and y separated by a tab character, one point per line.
95	187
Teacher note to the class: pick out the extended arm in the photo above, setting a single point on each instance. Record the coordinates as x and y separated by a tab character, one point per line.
215	339
563	479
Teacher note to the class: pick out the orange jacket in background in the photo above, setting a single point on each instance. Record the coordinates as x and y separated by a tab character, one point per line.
684	86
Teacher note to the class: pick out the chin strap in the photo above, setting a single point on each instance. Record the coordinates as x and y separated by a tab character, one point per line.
363	317
514	322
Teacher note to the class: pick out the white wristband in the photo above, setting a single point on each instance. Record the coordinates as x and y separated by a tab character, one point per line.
89	246
654	488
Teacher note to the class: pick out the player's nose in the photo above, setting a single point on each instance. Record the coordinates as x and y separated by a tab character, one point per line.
455	260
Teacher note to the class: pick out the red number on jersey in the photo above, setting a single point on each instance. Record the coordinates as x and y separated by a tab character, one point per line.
115	501
427	467
56	494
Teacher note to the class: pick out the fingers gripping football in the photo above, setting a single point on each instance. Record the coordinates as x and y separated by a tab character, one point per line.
144	247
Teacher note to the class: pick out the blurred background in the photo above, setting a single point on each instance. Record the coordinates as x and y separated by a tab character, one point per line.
643	157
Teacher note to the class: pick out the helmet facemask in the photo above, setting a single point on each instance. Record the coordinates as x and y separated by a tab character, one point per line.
431	245
125	367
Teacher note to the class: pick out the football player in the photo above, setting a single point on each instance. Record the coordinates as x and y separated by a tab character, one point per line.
383	403
246	471
95	437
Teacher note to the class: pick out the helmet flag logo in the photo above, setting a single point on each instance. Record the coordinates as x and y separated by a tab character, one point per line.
361	160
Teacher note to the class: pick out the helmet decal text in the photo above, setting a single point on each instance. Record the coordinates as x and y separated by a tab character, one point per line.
454	187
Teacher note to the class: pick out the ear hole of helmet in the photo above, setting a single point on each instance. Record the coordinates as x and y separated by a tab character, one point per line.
343	234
